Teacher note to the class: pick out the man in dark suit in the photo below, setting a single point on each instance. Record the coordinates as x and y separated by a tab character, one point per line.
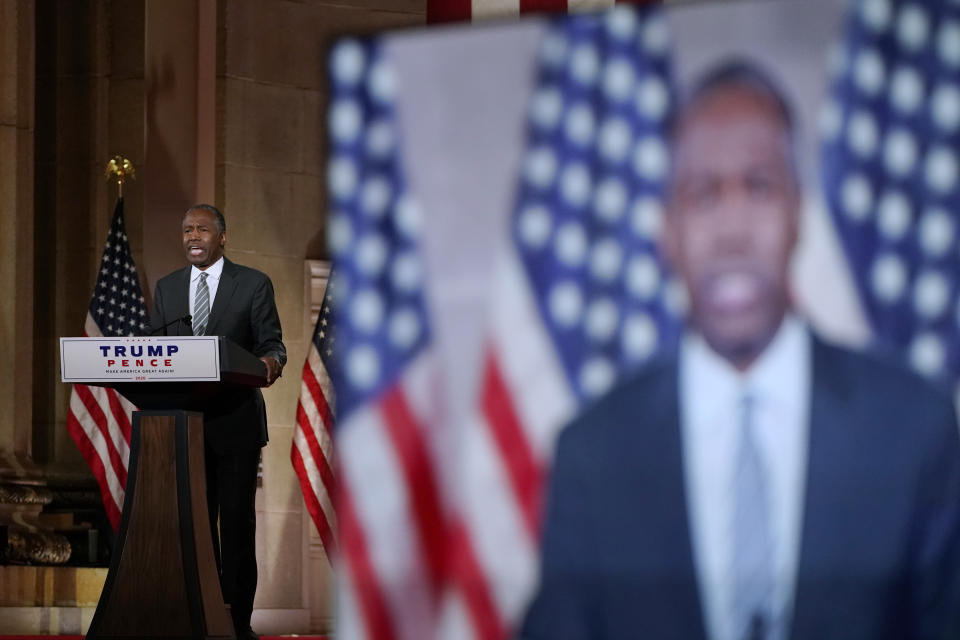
758	483
231	300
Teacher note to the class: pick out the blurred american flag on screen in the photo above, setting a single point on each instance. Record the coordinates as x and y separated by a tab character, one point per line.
580	297
466	10
429	552
392	519
891	138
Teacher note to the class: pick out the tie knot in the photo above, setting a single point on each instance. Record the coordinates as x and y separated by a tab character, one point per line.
203	276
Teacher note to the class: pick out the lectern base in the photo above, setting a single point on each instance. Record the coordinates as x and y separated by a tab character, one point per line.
163	579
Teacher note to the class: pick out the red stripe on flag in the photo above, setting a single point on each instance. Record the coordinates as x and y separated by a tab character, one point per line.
319	400
472	584
418	471
323	465
448	11
89	453
534	6
100	418
373	605
119	414
526	474
313	505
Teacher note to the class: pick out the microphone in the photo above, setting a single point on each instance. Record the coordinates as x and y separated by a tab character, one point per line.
187	318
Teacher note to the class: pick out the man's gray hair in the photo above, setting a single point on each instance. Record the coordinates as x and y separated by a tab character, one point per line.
221	222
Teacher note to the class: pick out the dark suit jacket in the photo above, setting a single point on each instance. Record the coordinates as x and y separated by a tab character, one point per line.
880	541
245	312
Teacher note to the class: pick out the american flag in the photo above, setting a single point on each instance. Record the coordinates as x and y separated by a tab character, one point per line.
389	508
891	137
465	10
581	297
439	522
312	448
98	418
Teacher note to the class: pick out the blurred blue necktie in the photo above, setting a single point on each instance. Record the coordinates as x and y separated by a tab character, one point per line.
752	566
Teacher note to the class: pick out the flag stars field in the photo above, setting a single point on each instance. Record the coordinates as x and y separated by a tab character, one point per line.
578	205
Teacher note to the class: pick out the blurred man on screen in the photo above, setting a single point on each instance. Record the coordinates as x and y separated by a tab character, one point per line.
760	483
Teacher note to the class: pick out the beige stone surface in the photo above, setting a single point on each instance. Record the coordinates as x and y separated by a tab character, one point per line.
16	223
279	560
8	275
281	398
335	19
259	212
272	126
74	273
313	143
8	62
281	621
273	212
284	58
126	105
287	276
321	589
417	7
280	489
50	586
231	107
309	202
46	620
76	27
126	40
65	451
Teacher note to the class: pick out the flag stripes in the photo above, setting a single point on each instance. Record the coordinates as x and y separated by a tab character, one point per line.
525	472
365	584
99	419
440	11
418	472
563	328
311	451
439	521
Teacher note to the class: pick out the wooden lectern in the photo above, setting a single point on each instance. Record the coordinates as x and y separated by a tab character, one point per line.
163	580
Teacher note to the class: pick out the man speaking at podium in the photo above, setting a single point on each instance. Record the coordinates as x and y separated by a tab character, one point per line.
759	483
227	299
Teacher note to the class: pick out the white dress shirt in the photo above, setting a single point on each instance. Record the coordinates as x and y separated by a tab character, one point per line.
213	281
710	404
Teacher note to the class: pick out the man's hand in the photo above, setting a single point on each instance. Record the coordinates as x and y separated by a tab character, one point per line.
274	369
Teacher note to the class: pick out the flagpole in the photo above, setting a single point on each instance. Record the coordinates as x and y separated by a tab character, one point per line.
122	168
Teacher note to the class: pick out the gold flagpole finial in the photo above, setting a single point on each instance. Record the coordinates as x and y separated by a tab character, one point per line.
122	168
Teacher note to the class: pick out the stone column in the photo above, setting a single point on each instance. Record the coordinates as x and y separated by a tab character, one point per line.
20	496
16	236
180	45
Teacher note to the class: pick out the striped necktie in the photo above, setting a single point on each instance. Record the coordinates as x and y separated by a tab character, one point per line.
752	565
201	307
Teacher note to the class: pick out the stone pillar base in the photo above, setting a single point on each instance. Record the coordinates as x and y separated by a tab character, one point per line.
48	600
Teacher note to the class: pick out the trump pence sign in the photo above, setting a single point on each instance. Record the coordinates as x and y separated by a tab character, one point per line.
180	359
